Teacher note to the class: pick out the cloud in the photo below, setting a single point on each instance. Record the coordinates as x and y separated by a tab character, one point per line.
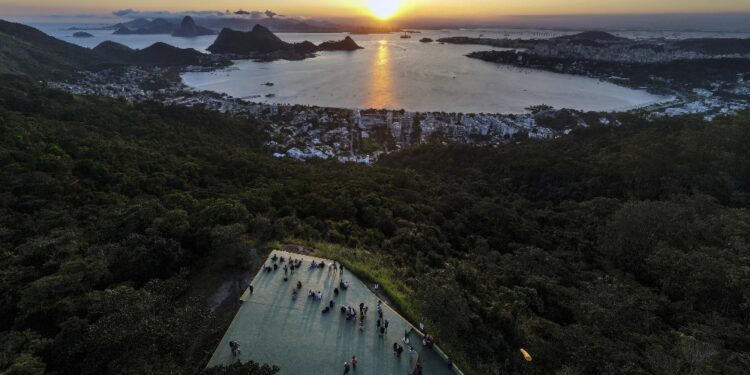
82	15
132	13
123	12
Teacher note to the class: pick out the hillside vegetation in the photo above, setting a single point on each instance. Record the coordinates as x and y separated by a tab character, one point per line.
613	250
27	51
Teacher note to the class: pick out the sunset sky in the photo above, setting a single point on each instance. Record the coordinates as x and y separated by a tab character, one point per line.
406	8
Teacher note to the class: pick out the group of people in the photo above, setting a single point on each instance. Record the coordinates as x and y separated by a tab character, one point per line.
414	363
349	312
334	268
382	326
320	265
353	365
329	307
293	263
315	295
276	260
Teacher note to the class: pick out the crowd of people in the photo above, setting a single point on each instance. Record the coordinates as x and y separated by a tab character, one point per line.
351	313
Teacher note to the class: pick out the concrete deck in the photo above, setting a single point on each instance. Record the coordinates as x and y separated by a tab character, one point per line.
293	334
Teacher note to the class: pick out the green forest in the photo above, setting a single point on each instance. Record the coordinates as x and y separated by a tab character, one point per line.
614	250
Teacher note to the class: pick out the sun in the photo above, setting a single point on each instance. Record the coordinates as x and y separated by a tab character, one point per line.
383	9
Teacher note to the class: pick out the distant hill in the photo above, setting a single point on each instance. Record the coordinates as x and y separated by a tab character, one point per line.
592	36
158	54
114	51
260	40
27	51
157	26
188	28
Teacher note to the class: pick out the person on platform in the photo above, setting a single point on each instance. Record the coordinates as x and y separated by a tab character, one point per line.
235	346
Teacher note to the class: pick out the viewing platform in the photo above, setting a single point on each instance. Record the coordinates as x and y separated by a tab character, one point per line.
273	327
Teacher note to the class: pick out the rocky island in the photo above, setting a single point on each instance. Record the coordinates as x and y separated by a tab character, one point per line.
426	40
347	44
261	44
82	34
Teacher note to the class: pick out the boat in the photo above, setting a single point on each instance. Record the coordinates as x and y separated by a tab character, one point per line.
405	36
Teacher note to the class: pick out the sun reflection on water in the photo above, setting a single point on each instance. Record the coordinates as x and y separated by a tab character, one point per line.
380	91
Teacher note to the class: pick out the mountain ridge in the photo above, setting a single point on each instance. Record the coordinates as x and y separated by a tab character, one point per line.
28	51
157	54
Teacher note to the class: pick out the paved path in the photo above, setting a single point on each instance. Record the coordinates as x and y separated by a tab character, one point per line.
273	328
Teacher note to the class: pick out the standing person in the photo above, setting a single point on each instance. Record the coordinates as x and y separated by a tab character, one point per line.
251	288
386	325
354	363
346	368
235	346
412	355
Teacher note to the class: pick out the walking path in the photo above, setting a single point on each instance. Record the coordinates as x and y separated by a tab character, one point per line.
272	327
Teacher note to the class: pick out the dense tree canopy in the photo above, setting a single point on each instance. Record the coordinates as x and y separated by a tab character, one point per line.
612	250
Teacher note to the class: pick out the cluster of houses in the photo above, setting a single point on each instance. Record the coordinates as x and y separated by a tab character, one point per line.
362	136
